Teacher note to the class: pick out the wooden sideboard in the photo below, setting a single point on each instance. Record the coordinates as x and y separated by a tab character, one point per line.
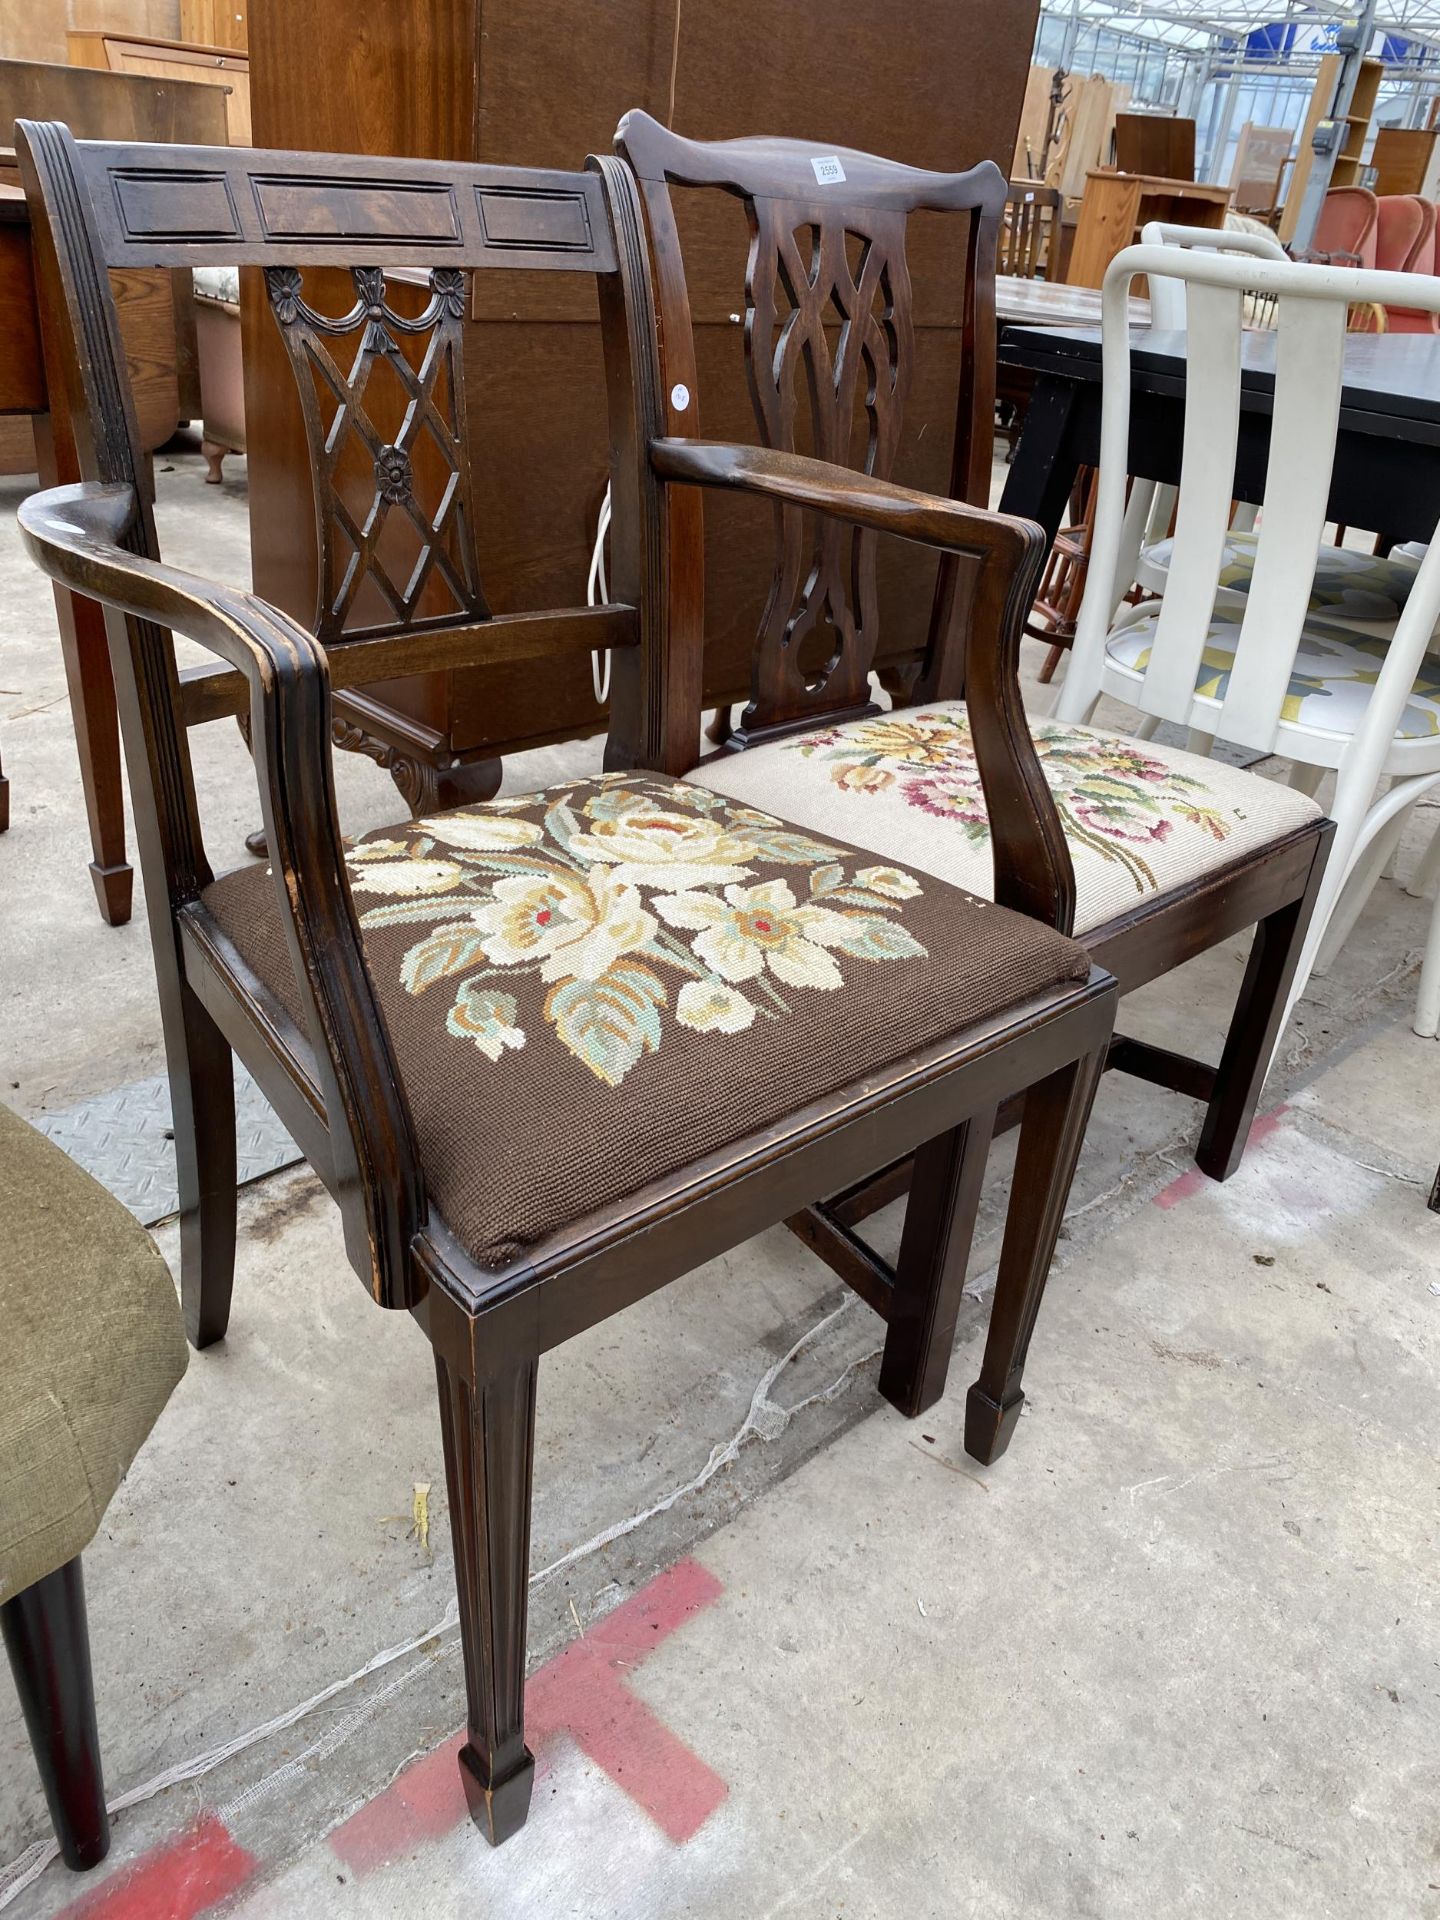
1117	205
550	86
224	67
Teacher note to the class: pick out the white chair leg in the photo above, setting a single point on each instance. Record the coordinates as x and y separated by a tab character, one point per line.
1359	886
1428	871
1427	1004
1146	725
1198	742
1305	779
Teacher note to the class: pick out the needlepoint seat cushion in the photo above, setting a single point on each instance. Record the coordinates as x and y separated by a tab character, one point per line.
92	1349
1140	819
1330	683
591	987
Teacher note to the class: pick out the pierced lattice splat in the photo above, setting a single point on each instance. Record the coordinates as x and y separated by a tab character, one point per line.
829	349
393	431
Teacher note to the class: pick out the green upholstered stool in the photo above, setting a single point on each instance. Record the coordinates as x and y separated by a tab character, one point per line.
91	1347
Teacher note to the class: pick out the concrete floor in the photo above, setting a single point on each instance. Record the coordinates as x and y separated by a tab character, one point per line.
791	1654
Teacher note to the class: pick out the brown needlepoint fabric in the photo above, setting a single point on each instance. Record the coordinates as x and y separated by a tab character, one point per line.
591	987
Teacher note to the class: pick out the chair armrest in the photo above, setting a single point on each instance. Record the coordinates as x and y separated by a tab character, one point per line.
1033	870
798	481
79	535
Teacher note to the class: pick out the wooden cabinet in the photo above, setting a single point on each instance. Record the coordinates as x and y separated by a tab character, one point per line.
1405	161
1117	205
534	84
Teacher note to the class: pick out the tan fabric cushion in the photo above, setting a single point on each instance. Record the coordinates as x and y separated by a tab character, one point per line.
591	987
92	1349
1140	819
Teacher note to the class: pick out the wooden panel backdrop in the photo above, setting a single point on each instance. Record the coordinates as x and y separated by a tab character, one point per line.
531	83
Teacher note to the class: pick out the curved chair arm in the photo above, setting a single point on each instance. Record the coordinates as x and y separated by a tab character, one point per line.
77	535
1033	870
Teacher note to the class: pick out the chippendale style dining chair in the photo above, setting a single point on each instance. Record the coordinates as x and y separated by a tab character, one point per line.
1162	854
552	1051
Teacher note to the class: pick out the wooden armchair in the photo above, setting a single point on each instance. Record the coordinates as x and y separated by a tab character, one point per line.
547	1052
1155	855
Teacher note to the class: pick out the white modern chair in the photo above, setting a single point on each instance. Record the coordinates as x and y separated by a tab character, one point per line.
1361	589
1267	674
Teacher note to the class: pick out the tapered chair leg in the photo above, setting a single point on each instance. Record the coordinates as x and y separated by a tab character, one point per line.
202	1103
930	1277
1255	1029
49	1649
1057	1111
489	1430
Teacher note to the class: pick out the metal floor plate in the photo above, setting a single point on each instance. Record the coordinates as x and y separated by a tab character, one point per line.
124	1139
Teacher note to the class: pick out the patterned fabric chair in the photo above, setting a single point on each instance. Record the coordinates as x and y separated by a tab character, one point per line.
1161	853
552	1052
93	1349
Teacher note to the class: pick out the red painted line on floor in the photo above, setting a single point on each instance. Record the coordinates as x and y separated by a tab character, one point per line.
1195	1181
583	1692
174	1881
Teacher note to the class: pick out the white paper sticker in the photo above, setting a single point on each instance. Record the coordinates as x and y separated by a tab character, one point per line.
828	171
679	397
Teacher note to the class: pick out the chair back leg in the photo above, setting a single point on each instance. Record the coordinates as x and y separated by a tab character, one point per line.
49	1647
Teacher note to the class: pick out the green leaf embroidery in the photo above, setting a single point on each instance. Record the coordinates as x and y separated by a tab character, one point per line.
449	950
608	1023
872	939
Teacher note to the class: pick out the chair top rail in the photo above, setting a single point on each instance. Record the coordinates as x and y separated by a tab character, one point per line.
806	170
173	206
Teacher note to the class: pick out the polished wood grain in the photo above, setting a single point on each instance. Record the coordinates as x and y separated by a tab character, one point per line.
532	83
973	655
334	1077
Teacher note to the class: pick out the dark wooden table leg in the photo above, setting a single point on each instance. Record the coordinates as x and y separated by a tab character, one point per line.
92	704
1042	473
49	1648
4	802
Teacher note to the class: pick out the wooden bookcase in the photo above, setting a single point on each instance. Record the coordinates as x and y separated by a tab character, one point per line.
1348	160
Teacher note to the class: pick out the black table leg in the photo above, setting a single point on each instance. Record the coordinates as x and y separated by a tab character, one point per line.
1042	474
49	1648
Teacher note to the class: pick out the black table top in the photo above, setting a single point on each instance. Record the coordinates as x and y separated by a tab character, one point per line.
1391	382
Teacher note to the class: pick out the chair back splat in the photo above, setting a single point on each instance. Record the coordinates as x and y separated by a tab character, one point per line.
390	247
829	339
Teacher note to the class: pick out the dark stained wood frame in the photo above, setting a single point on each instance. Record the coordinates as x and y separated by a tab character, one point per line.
791	201
48	1643
1273	890
334	1079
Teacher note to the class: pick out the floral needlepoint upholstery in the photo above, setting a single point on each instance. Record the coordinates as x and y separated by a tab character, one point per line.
1140	819
1354	586
1330	682
593	986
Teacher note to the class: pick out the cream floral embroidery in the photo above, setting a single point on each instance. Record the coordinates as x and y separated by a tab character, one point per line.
1112	796
603	895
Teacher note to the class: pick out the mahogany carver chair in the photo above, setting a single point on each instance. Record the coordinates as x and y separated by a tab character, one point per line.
1162	854
552	1051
